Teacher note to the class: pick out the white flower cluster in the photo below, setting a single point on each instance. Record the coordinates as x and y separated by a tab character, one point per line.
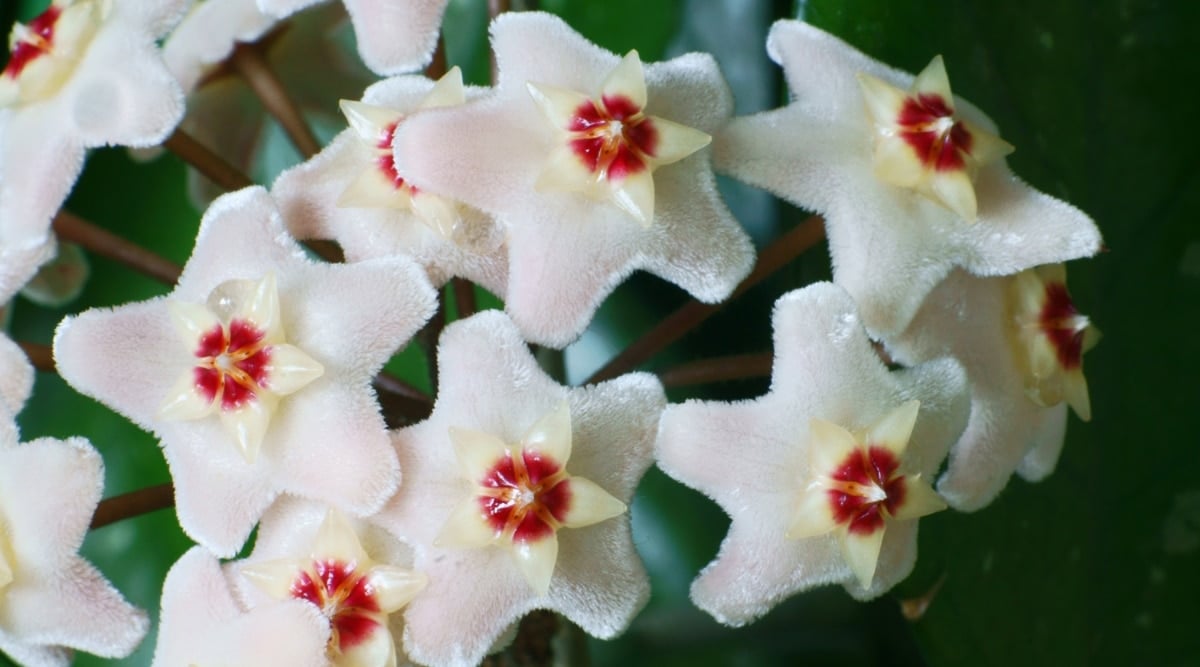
426	544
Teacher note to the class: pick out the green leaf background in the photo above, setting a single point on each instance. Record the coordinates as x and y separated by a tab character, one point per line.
1098	565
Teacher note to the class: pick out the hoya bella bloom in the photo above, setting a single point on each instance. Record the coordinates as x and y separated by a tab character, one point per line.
393	37
53	600
592	164
911	180
824	476
353	572
352	193
514	495
257	344
1021	340
16	375
84	73
204	624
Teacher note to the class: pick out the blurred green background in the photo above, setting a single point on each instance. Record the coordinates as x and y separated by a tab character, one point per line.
1098	565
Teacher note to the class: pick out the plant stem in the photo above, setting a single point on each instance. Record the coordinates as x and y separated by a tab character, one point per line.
254	69
39	355
70	227
212	166
134	503
718	369
464	298
688	316
438	66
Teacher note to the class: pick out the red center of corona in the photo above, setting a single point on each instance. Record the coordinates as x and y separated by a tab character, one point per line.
1059	322
857	482
233	364
38	41
925	126
525	496
344	596
387	159
613	137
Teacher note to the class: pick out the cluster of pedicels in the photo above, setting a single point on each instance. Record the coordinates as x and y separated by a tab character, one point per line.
426	544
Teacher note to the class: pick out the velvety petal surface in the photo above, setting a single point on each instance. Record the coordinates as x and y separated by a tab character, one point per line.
890	245
753	457
489	382
327	440
567	251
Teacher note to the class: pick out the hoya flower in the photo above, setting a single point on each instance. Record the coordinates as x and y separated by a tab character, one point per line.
594	165
911	179
223	112
53	600
823	477
356	574
83	73
255	371
393	37
204	624
515	493
1021	340
352	193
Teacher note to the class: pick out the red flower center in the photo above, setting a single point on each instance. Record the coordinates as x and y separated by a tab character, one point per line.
1063	325
613	138
344	596
863	486
233	364
525	496
386	160
33	41
927	125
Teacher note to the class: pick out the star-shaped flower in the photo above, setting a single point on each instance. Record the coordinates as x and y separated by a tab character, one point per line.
203	624
564	154
239	344
1021	341
356	574
352	193
53	599
824	476
393	37
514	492
83	73
910	179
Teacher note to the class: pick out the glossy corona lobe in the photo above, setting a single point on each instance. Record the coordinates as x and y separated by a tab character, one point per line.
823	476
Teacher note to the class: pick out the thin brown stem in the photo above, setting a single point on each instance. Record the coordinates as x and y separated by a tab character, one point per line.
134	503
39	355
202	159
75	229
718	369
464	298
688	316
438	66
428	336
254	69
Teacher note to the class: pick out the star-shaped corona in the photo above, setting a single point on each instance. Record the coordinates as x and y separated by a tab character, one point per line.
609	146
243	361
45	51
860	486
522	494
380	185
921	143
1050	336
355	593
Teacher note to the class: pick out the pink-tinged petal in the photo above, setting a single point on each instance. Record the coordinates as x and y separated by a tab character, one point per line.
38	166
16	376
202	623
825	368
489	382
890	245
56	598
567	251
208	34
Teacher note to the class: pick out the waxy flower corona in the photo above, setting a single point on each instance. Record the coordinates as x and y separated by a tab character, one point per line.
44	52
